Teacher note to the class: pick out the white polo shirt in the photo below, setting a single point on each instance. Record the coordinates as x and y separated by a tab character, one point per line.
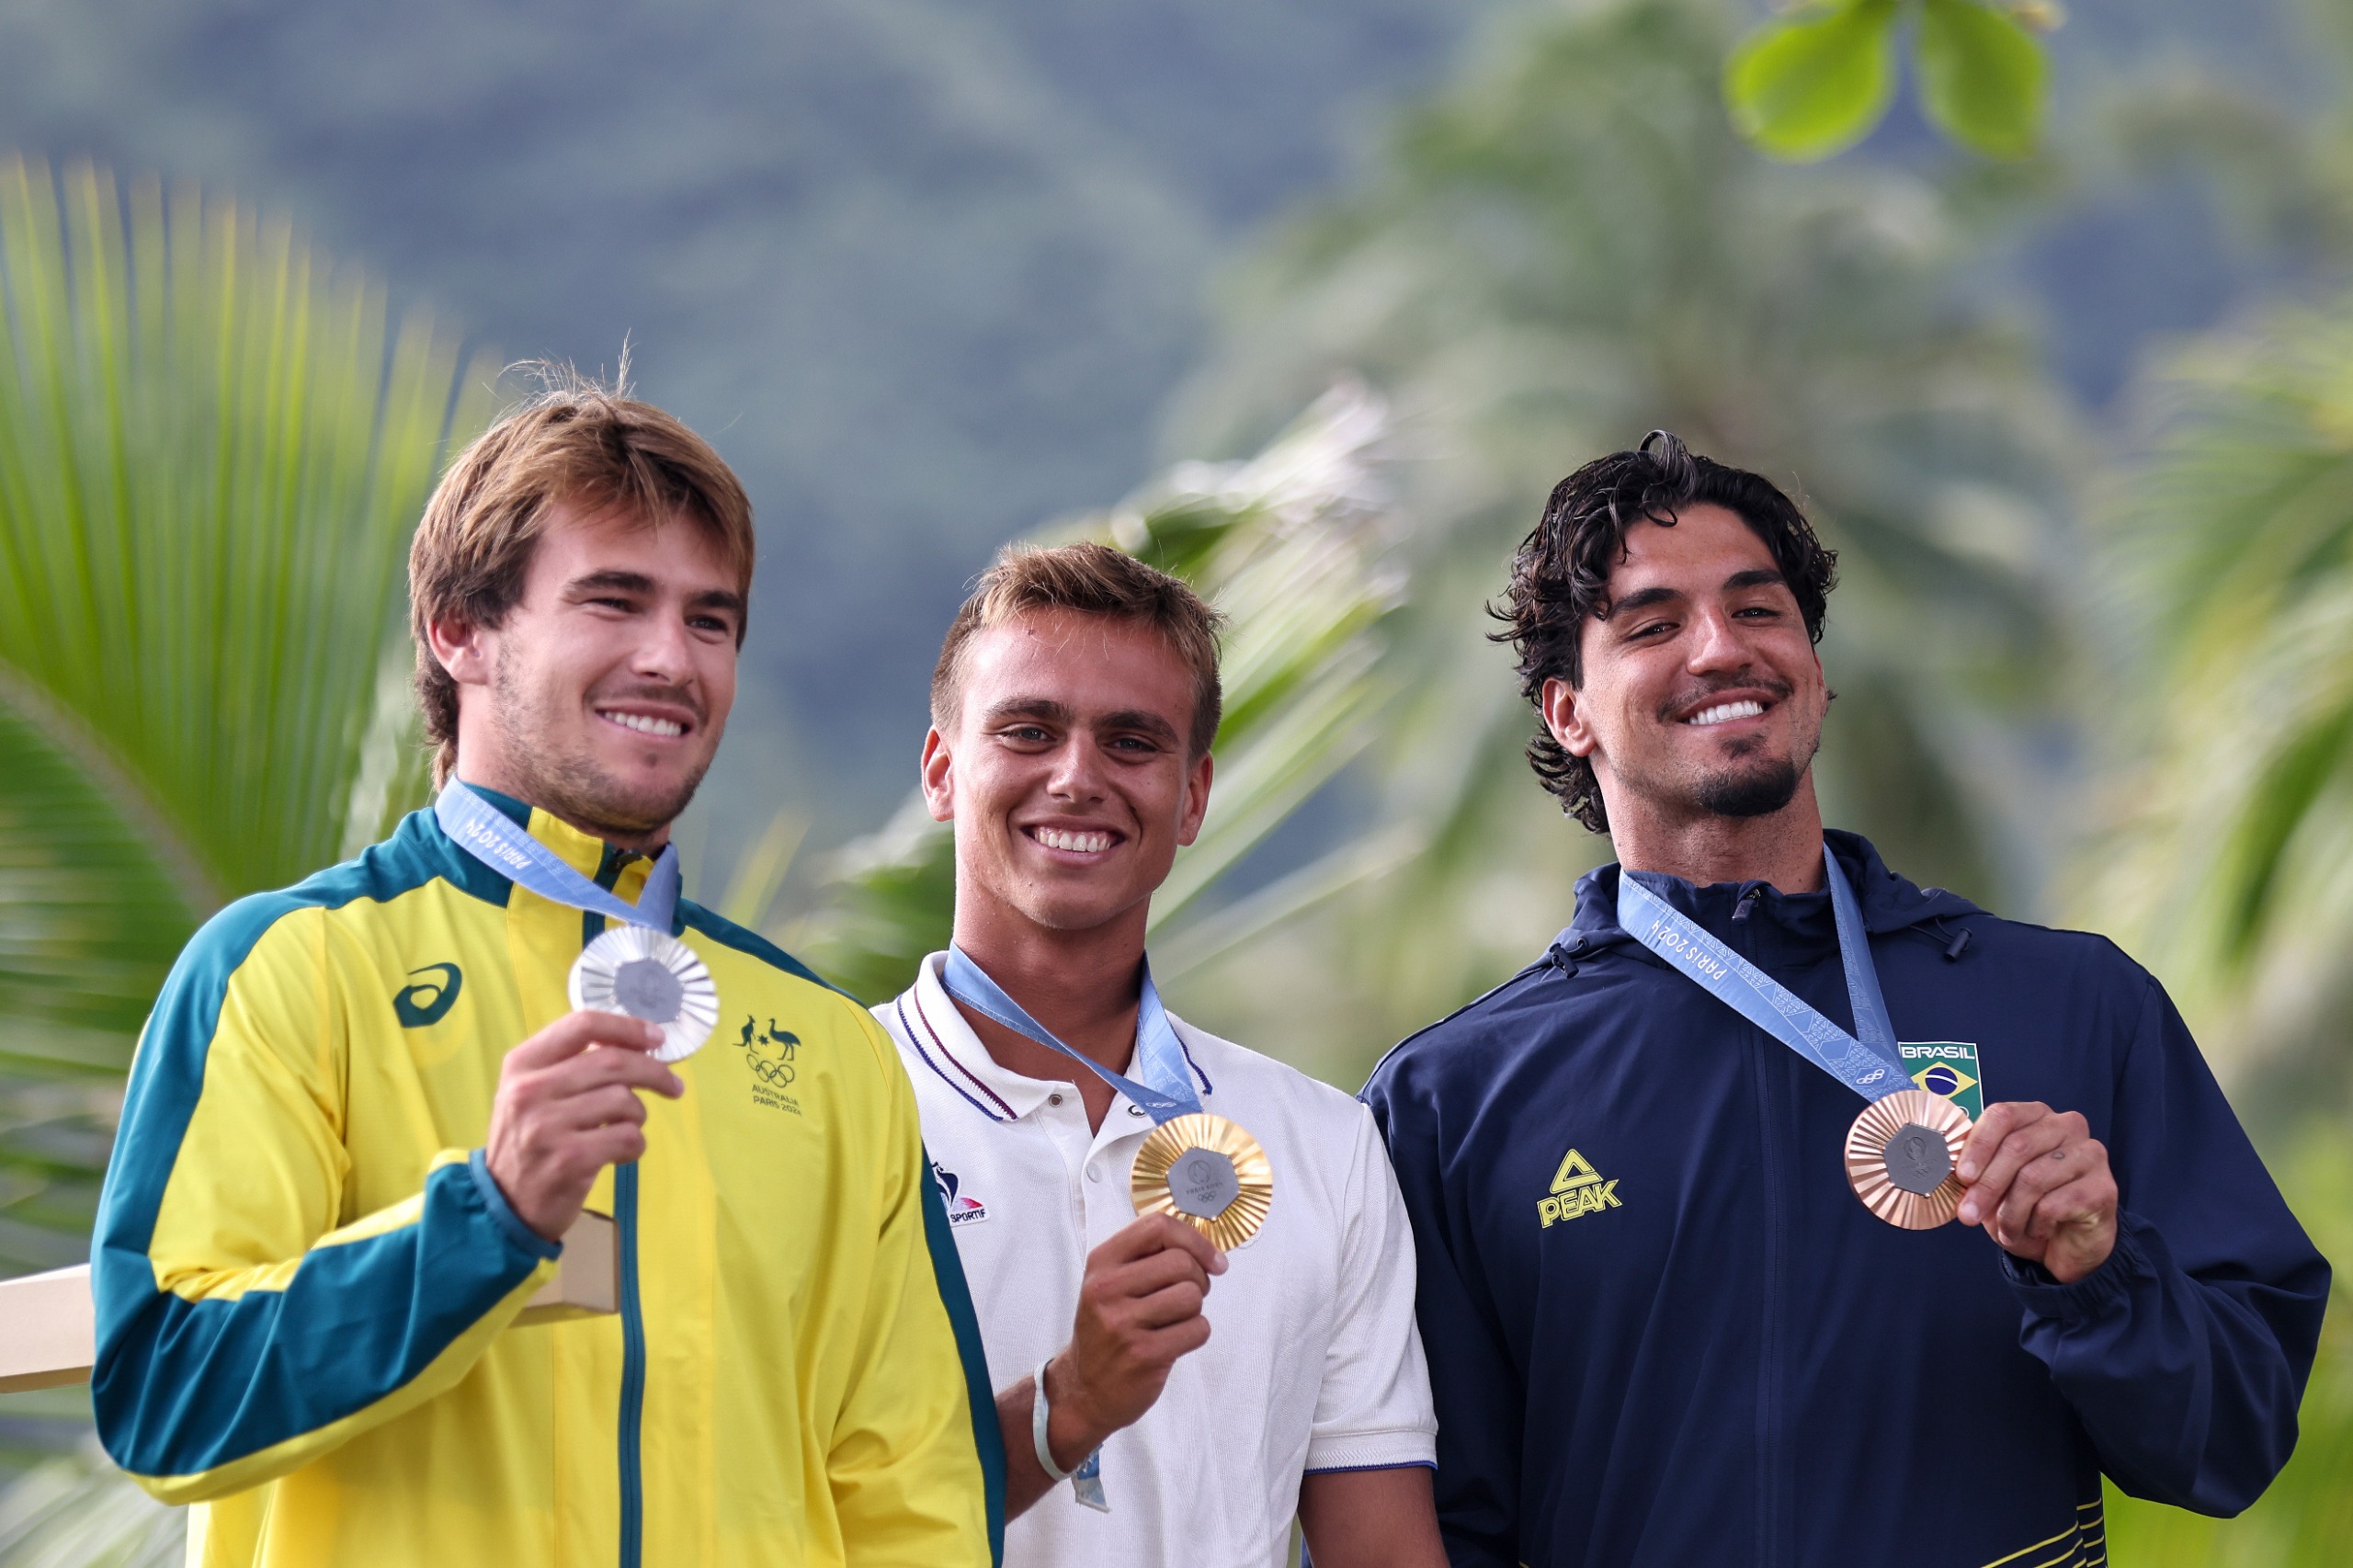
1312	1362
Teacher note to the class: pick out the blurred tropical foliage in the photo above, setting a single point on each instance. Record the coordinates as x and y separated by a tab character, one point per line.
1820	76
2231	837
1569	245
75	1510
2222	851
212	445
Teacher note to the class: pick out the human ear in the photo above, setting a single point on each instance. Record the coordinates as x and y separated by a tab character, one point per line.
938	777
1197	798
462	649
1564	718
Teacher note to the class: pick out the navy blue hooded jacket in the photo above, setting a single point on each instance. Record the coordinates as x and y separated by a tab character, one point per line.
1714	1354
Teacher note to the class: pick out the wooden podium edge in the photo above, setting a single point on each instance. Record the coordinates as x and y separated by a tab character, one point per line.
49	1326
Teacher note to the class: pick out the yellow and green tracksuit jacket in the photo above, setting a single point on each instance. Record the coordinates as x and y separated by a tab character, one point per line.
306	1280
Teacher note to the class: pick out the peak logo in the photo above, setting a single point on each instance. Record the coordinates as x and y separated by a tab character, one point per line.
963	1209
428	1002
1577	1190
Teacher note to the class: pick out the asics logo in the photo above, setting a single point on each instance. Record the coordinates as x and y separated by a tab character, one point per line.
428	1001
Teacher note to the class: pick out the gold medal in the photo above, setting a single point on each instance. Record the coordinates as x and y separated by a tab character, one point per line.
1207	1172
1900	1158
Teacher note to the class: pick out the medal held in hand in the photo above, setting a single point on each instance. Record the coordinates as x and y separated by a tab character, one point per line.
1208	1172
1901	1150
1199	1168
649	976
637	967
1193	1166
1900	1158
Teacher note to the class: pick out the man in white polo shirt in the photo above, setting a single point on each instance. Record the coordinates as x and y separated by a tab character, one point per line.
1073	709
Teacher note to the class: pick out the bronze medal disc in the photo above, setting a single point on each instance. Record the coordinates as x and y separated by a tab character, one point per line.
1901	1156
1207	1172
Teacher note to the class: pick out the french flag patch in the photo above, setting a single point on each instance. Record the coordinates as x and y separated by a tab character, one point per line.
963	1209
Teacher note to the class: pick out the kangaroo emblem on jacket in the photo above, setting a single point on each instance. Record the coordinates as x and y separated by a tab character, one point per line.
771	1053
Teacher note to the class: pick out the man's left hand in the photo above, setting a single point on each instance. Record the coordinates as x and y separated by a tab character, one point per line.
2039	1182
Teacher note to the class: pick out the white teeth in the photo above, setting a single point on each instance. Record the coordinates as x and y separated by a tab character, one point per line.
1062	838
1722	711
647	726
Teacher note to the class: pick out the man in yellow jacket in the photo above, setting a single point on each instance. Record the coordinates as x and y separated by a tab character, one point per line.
365	1112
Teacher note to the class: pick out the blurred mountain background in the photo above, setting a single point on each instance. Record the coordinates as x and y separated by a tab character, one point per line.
930	273
1330	291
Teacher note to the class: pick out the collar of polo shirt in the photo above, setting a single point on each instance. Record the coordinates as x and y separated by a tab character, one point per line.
947	1041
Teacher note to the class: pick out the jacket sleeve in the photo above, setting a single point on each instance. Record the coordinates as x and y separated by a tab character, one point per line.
247	1324
917	1463
1476	1385
2185	1355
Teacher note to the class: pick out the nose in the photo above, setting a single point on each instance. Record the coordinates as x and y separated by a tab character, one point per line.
662	654
1716	644
1077	774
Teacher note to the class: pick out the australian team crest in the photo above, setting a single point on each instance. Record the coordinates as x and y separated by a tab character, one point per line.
963	1209
773	1055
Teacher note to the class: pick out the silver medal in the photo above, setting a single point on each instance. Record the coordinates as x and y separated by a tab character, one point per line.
651	975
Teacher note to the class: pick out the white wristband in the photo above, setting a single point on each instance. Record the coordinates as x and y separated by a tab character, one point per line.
1038	1416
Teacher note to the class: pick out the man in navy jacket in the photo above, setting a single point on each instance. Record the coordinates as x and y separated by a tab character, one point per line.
1662	1330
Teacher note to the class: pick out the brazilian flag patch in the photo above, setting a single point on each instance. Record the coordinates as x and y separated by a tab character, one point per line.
1947	1069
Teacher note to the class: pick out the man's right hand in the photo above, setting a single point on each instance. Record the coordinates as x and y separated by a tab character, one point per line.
1139	1309
567	1106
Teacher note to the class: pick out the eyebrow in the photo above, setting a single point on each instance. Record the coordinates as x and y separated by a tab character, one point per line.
629	582
1048	709
1643	598
639	583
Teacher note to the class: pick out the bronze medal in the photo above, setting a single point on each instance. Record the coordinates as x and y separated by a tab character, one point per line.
1207	1172
1901	1155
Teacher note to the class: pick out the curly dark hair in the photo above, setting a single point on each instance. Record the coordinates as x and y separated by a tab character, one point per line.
1560	576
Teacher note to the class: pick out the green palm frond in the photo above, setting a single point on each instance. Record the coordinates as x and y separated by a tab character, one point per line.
212	447
1293	546
212	444
2230	862
78	1511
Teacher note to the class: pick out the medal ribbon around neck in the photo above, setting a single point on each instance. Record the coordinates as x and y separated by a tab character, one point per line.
638	968
491	836
1902	1150
1866	1062
1167	1090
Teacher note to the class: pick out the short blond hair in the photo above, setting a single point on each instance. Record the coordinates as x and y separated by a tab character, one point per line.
1086	579
577	442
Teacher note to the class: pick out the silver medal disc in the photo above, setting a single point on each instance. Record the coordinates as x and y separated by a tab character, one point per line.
649	976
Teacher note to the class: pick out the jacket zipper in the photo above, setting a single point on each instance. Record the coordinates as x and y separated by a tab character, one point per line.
1771	1451
632	1407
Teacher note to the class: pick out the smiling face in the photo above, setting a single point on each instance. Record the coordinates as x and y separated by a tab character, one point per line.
601	695
1702	694
1066	771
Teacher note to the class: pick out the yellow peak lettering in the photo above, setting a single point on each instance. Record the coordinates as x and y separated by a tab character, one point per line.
1577	1190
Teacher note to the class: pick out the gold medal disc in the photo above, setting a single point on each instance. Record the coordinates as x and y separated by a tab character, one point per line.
1207	1172
1901	1156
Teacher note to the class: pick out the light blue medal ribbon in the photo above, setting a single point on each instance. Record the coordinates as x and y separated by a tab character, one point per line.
1866	1062
491	836
1166	1093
